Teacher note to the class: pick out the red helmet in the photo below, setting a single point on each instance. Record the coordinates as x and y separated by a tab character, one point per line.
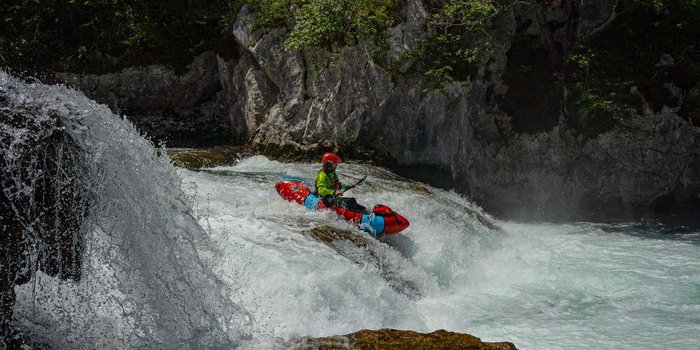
331	158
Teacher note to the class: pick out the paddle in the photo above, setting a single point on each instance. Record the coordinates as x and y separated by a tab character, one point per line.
360	181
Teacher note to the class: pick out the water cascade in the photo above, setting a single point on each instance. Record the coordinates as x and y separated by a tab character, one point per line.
541	286
112	247
139	269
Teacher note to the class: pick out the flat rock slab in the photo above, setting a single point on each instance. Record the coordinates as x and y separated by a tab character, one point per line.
398	339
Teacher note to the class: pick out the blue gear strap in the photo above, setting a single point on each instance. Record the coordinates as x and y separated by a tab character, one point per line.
311	201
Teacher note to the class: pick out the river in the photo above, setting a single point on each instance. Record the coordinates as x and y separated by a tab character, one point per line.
541	286
177	258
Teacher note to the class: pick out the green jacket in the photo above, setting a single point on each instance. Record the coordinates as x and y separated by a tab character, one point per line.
328	183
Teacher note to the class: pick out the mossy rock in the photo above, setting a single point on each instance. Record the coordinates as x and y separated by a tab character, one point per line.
398	339
206	157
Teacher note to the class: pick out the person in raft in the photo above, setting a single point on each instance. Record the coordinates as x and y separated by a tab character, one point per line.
329	187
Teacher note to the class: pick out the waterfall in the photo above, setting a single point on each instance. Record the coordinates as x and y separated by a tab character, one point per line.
80	184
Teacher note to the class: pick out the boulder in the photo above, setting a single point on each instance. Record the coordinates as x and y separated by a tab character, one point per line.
205	157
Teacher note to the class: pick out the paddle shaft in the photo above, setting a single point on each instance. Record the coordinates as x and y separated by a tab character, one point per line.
355	184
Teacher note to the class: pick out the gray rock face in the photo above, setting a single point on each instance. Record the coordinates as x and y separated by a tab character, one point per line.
322	101
404	36
611	176
164	105
304	103
354	104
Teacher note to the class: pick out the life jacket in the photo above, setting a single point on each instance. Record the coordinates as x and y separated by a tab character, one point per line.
335	183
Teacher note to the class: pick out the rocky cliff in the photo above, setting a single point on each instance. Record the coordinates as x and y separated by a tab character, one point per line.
185	109
513	141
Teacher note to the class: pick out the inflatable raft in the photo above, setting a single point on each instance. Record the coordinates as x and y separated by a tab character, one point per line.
380	220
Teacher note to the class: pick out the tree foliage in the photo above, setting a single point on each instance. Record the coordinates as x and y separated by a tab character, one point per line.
103	35
271	13
459	34
326	23
595	70
450	50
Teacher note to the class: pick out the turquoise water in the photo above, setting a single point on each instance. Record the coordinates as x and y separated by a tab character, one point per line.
541	286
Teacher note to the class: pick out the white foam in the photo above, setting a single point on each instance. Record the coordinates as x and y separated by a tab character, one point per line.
540	286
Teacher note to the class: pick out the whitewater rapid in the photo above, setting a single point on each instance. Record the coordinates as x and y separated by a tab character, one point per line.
177	259
541	286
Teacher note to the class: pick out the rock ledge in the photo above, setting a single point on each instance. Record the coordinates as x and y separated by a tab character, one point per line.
399	339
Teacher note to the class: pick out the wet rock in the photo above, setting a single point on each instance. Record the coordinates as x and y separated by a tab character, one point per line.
612	176
43	199
366	251
180	109
206	157
353	104
398	339
330	235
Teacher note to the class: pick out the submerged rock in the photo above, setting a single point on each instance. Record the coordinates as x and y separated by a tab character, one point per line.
368	252
399	340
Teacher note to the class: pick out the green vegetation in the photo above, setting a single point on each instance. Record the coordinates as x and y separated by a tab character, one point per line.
271	13
585	82
450	51
459	36
598	104
104	35
604	72
327	23
661	5
646	49
455	32
458	31
97	36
